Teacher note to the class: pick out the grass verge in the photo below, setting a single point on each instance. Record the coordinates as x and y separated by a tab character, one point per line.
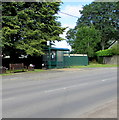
18	71
94	65
91	65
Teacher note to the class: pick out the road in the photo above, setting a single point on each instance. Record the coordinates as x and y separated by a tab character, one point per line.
57	93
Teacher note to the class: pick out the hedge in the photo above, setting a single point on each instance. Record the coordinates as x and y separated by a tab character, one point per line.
109	52
106	52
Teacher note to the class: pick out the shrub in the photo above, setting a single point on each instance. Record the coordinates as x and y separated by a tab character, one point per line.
109	52
106	52
115	49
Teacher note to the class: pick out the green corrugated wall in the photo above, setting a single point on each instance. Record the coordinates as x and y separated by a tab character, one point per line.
75	60
70	61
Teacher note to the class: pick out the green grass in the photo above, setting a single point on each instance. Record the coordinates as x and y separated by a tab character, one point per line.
37	70
91	65
8	72
94	65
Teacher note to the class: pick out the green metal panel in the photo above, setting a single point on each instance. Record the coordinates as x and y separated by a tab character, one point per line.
67	61
75	60
55	59
60	64
60	60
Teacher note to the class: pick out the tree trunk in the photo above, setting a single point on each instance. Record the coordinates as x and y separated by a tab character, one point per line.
103	45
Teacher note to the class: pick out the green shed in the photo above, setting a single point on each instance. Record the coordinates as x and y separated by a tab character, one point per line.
75	60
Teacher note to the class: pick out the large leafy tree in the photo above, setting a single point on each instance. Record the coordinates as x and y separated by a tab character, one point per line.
104	16
27	26
85	40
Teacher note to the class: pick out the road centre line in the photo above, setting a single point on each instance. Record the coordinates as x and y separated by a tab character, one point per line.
64	88
73	86
107	79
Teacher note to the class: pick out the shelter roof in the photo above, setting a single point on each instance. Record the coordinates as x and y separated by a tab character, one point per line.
59	49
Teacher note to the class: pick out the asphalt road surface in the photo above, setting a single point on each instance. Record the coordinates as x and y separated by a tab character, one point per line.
57	93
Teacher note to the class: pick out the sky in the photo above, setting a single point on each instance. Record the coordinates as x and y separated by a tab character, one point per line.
71	8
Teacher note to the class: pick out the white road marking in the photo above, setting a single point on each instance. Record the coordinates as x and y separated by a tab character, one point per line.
109	79
105	80
73	86
64	88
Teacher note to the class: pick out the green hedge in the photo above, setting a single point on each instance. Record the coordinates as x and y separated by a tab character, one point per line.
115	49
106	52
109	52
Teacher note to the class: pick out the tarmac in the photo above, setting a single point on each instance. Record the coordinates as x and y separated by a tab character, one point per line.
109	110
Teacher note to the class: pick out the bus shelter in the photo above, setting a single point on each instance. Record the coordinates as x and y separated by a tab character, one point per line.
54	57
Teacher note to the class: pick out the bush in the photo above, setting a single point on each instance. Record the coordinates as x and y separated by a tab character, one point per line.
109	52
115	49
106	52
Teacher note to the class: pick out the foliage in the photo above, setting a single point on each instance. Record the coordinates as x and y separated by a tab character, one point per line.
104	17
96	65
106	52
115	49
8	72
85	40
71	35
109	52
27	26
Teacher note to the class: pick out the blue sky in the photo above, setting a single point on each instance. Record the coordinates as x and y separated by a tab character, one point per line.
72	8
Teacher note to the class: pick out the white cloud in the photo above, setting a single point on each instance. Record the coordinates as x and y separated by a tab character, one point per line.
62	44
72	10
78	1
69	25
68	21
66	25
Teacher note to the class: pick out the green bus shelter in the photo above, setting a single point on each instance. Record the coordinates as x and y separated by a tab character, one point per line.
61	57
54	57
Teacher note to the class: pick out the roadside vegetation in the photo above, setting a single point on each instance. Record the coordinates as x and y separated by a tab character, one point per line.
95	65
24	26
109	52
91	65
95	30
8	72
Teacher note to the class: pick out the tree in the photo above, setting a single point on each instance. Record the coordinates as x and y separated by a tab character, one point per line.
115	49
85	40
71	35
27	26
104	16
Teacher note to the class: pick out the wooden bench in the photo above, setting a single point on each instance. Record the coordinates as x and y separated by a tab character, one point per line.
17	66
